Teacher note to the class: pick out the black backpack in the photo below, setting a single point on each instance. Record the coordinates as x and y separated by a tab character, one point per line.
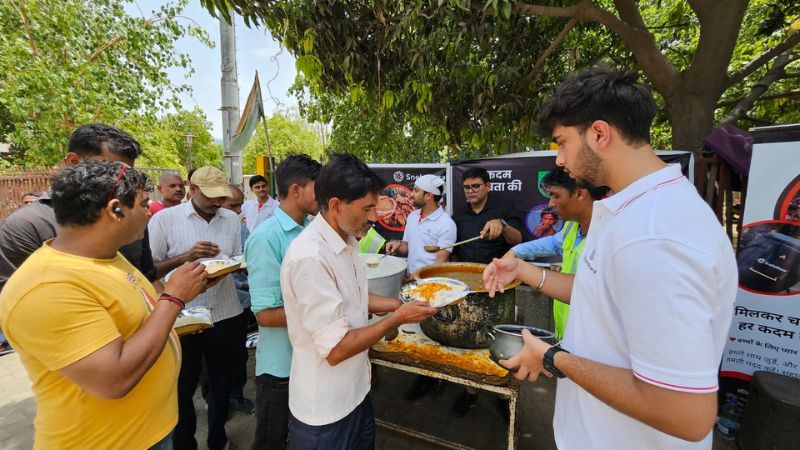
770	262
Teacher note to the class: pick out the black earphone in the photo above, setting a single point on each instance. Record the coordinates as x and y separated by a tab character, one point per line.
118	212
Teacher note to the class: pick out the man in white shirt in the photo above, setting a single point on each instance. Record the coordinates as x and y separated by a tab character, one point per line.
197	230
263	207
427	226
326	302
650	303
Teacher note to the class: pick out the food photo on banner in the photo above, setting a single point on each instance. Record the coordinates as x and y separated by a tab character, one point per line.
396	200
765	330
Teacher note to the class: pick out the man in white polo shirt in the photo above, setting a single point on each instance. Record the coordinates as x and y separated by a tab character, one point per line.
197	230
427	226
326	303
652	299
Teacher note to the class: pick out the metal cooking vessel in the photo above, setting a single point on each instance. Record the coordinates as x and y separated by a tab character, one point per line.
507	340
464	325
387	277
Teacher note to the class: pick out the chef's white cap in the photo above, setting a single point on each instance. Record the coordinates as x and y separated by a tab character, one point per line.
430	183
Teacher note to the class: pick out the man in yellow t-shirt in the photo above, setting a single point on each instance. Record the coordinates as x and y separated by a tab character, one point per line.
94	336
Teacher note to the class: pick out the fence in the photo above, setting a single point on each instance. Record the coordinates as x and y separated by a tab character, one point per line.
15	183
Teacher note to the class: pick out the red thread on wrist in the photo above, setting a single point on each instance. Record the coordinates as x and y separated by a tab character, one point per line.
172	299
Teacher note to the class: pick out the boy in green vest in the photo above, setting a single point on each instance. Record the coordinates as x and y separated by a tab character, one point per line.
572	199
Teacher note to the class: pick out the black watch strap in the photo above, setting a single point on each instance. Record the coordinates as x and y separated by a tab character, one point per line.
504	223
549	362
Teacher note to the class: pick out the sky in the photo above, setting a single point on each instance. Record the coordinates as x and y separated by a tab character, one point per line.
255	51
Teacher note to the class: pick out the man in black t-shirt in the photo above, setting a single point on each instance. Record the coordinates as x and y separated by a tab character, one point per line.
498	224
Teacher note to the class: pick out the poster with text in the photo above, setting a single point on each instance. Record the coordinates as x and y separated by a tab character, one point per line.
395	202
765	331
516	180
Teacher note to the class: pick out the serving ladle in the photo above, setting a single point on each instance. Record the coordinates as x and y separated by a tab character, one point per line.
436	248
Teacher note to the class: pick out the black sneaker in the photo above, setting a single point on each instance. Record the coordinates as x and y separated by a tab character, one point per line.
464	404
420	387
243	406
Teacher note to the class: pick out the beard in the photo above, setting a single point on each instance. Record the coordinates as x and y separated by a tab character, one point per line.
589	167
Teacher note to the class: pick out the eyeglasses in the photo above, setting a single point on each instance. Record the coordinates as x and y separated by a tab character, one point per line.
472	187
116	182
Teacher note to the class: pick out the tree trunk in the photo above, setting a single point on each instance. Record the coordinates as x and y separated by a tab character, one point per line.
692	118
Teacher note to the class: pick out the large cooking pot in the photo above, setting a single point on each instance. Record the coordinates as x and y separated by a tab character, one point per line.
384	273
464	325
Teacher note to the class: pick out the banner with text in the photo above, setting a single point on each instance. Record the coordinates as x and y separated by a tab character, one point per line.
765	332
395	203
517	180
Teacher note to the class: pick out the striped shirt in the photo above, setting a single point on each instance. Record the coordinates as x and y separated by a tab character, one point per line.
175	230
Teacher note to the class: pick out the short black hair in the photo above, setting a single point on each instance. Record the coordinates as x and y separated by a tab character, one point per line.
600	93
257	179
559	177
88	140
347	178
476	172
189	174
295	169
81	191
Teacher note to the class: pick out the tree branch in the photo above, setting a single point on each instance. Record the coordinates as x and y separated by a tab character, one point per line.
533	75
26	23
787	94
763	59
641	42
773	74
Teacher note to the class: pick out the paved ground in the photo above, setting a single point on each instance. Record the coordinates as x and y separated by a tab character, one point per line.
482	428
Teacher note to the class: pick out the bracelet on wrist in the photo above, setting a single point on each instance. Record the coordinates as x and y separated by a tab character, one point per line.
544	278
172	299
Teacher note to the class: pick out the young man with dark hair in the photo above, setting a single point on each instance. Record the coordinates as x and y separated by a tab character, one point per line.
258	210
264	252
24	231
650	304
572	201
93	334
172	190
196	230
326	303
429	225
497	224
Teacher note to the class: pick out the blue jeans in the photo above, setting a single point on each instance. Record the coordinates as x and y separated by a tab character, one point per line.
164	444
356	431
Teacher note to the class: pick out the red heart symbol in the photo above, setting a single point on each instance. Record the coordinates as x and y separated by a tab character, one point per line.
732	338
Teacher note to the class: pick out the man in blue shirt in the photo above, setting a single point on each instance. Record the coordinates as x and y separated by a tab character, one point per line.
572	200
263	254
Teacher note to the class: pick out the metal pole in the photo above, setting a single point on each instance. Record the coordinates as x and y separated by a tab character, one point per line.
189	142
230	97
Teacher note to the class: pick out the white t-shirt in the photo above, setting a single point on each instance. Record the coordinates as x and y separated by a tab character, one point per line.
654	293
436	229
255	216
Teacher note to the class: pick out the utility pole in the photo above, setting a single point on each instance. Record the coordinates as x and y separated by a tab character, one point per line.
230	97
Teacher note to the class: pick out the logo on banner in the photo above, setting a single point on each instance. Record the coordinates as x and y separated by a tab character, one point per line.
398	176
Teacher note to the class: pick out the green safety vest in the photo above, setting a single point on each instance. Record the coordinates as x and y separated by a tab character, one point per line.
569	264
372	242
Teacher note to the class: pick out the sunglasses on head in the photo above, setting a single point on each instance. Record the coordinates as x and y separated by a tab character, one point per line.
472	187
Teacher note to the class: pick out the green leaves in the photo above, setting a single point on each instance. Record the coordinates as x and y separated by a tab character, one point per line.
66	63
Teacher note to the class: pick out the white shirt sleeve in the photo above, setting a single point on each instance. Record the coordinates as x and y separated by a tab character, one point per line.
664	292
319	302
447	236
158	238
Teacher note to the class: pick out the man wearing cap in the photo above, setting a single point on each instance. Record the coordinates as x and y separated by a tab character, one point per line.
197	230
427	226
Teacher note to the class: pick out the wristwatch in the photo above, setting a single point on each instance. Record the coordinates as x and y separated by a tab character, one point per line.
548	361
504	223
